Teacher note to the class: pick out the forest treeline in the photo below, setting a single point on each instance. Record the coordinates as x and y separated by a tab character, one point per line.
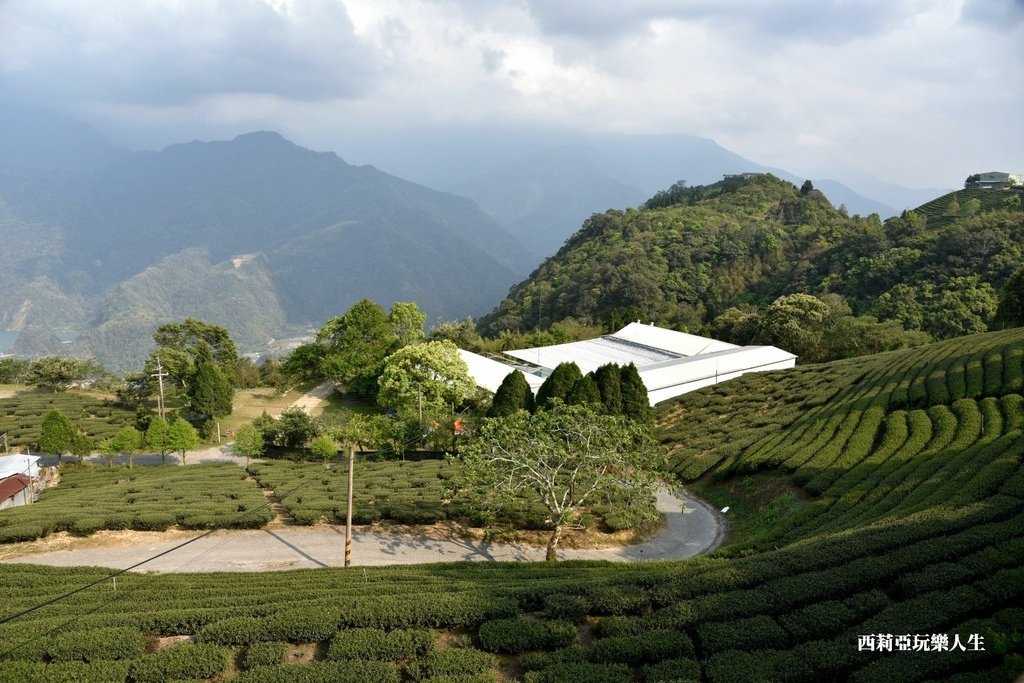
757	260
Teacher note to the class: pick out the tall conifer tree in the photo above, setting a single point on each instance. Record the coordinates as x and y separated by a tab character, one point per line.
635	403
513	394
558	384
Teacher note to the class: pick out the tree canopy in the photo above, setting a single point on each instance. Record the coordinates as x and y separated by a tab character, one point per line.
433	372
513	394
564	457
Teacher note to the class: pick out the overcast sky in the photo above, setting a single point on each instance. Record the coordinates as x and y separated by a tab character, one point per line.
918	92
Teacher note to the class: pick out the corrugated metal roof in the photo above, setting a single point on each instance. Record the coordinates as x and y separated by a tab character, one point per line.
13	485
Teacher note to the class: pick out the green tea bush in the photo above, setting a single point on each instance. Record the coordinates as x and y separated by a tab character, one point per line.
572	608
324	672
98	644
380	645
652	646
180	661
455	661
760	632
264	654
512	636
581	672
672	670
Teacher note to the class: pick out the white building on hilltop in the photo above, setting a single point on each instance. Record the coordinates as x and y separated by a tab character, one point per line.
670	363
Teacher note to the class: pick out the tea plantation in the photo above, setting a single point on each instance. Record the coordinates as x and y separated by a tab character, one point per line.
410	492
22	415
915	528
143	498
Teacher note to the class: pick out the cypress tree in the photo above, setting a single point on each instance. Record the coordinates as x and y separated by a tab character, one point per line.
609	384
635	403
514	394
57	434
584	392
558	384
210	392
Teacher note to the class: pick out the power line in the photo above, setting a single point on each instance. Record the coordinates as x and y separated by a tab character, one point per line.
115	574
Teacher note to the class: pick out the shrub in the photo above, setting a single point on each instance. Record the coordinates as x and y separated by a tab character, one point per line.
580	672
535	661
617	600
672	670
324	672
760	632
97	644
455	661
572	608
379	645
652	646
264	654
512	636
236	631
181	661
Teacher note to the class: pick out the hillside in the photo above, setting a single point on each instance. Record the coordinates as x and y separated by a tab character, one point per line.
910	464
108	247
692	253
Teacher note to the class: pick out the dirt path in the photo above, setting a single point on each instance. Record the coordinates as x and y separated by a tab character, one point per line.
687	531
311	400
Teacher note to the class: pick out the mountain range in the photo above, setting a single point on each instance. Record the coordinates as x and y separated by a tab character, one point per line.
268	238
255	233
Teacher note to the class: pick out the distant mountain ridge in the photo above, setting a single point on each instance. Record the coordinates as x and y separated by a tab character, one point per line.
116	243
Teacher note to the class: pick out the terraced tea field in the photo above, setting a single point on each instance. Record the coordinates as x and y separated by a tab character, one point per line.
914	527
22	415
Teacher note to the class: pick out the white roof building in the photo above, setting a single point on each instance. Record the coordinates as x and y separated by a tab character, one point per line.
670	363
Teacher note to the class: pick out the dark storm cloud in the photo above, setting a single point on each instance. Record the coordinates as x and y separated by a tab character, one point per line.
166	54
808	20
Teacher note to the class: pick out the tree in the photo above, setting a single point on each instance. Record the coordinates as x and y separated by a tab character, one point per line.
564	457
294	428
796	323
513	394
182	437
609	386
584	392
952	209
636	405
158	437
806	187
210	393
188	338
57	434
325	447
128	440
13	370
355	345
432	372
56	373
407	321
249	442
558	384
81	445
1010	312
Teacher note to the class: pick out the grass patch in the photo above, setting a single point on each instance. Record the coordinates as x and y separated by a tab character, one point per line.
756	502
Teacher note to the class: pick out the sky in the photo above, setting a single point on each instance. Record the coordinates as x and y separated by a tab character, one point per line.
916	92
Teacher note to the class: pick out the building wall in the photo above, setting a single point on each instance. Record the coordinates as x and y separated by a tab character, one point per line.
20	498
658	395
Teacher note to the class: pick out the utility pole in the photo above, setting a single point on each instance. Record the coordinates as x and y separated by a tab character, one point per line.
348	515
6	449
160	374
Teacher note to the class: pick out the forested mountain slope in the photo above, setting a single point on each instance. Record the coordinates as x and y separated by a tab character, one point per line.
913	526
692	253
303	233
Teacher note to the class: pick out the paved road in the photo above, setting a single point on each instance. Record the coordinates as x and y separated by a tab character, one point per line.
689	531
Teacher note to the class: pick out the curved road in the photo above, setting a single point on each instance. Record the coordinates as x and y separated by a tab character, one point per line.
687	531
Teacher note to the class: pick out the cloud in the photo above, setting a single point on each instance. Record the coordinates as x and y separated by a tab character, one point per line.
820	21
160	53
